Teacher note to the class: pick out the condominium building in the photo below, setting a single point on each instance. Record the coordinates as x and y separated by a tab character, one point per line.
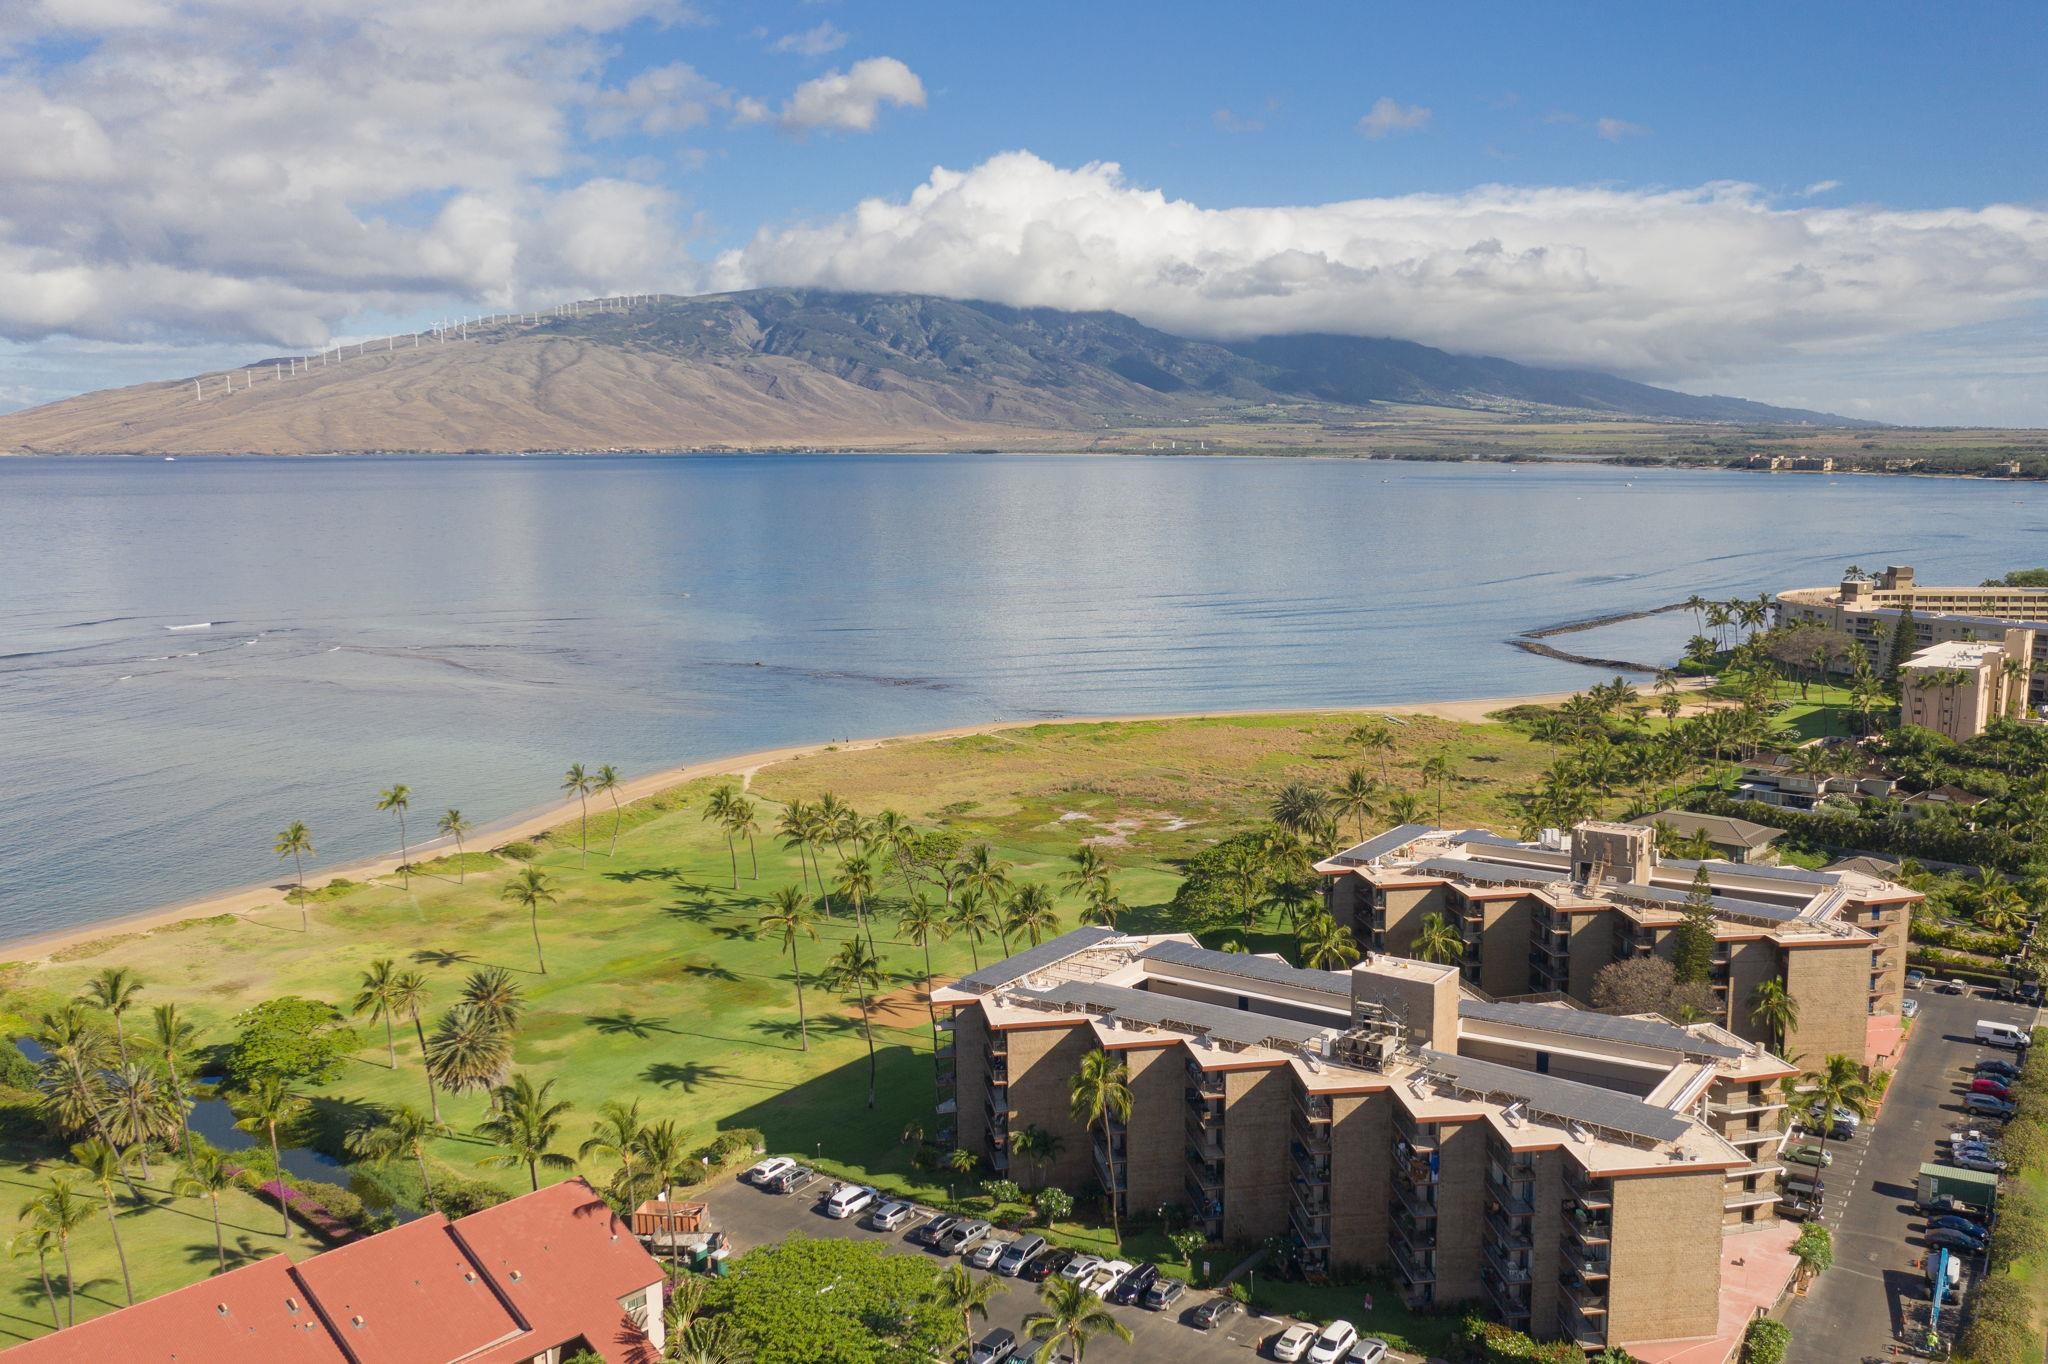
1870	609
1958	687
1547	916
1572	1171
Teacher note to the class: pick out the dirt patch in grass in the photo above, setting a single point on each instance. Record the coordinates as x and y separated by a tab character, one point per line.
903	1008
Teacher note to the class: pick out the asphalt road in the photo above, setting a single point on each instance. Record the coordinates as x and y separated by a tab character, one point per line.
1876	1296
751	1218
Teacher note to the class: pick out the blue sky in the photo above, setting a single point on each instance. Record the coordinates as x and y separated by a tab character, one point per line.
1831	205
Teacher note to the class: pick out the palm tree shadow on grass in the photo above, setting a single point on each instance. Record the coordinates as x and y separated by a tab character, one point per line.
629	1023
690	1076
790	1030
691	911
706	971
735	932
442	956
644	874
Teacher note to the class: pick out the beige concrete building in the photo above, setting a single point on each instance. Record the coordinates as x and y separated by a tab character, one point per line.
1870	609
1573	1172
1958	687
1546	917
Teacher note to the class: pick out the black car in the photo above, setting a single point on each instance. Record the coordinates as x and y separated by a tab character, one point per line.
1214	1312
930	1232
1841	1131
1044	1265
1132	1286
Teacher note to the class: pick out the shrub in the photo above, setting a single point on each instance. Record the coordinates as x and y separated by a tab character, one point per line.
1054	1205
519	850
1815	1247
1765	1341
16	1070
461	1197
1002	1191
289	1038
341	1202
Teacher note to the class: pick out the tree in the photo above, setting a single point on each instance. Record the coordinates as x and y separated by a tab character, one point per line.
576	782
1053	1205
206	1174
524	1125
1354	798
1814	1248
171	1037
1766	1339
791	917
57	1212
1072	1316
1300	808
718	810
959	1290
296	841
1404	807
989	877
530	890
398	799
1373	738
38	1243
857	971
1186	1242
264	1105
401	1133
856	887
72	1083
291	1039
1438	939
467	1051
1031	913
1100	1091
1904	640
920	922
1838	1085
662	1148
409	997
976	917
493	993
454	826
142	1107
607	783
1437	768
114	989
1089	878
615	1136
376	997
805	1301
1035	1146
103	1164
1244	869
742	821
1772	1008
1327	945
1693	942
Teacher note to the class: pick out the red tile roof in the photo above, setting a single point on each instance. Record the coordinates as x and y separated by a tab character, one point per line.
498	1286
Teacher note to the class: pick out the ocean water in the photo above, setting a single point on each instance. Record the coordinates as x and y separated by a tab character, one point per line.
194	653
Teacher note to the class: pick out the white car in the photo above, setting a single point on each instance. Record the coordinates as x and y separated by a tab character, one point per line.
1291	1344
768	1169
849	1200
1105	1276
985	1255
1332	1342
1848	1117
1371	1350
1080	1267
1909	1009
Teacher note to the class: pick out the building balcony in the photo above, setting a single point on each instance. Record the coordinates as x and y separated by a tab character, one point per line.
1744	1105
1513	1268
1206	1174
998	1111
1415	1270
1592	1195
1506	1233
1749	1198
1587	1264
1210	1085
1587	1332
1419	1236
1309	1233
1585	1299
1415	1136
1514	1199
1204	1134
1314	1136
1312	1199
1411	1200
1316	1108
1308	1166
1588	1230
1508	1300
1752	1136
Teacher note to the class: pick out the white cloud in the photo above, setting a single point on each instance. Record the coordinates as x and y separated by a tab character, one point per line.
1389	115
1658	284
658	101
847	101
1819	187
811	42
1615	129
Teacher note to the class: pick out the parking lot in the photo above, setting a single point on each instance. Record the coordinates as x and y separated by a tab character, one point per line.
751	1218
1876	1294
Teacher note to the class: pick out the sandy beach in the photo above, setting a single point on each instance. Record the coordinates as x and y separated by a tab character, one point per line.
246	899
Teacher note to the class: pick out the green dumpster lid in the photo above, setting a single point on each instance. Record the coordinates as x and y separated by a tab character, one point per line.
1954	1175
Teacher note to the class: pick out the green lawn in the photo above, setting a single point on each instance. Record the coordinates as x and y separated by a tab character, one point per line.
656	987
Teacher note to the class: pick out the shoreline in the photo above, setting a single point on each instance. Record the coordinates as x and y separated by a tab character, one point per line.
38	947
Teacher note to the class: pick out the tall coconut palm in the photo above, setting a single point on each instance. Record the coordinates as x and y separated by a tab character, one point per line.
742	820
975	916
718	810
114	989
171	1036
524	1124
1089	877
376	996
1437	768
206	1174
1772	1008
295	841
576	782
1072	1317
857	887
1327	945
989	876
1405	807
960	1290
103	1166
838	821
263	1107
39	1243
857	971
468	1051
1031	913
920	922
1354	798
398	799
1838	1084
530	890
73	1084
1100	1091
1373	738
616	1136
792	917
70	1026
495	995
1300	808
401	1133
142	1107
794	827
58	1212
607	783
409	997
663	1149
1438	939
454	826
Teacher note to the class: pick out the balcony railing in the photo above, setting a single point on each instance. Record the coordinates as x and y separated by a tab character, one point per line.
1309	1232
1583	1298
1201	1136
1415	1269
1420	1237
1307	1165
1590	1333
1410	1198
1416	1136
1586	1263
1589	1193
1733	1108
1208	1083
1314	1136
1506	1233
1589	1231
1512	1268
1506	1299
1205	1173
1313	1199
1316	1108
1513	1198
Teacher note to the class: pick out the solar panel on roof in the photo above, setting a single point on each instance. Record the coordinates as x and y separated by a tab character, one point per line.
1483	873
1485	838
1379	845
1561	1099
1181	1015
1247	967
1579	1023
1723	904
1035	958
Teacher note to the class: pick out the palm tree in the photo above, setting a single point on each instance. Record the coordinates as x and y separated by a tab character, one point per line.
718	809
576	782
263	1107
1838	1084
1404	807
1099	1091
796	826
141	1107
856	887
663	1149
974	916
493	993
1036	1145
1373	738
1031	913
920	922
73	1085
103	1164
1354	797
409	997
1438	939
607	783
376	997
1772	1008
792	917
1299	807
741	821
616	1137
467	1051
57	1212
172	1037
454	826
1072	1317
959	1289
398	799
207	1174
530	890
402	1132
1437	768
858	971
989	876
525	1124
1327	945
114	989
1090	876
1102	908
38	1242
296	841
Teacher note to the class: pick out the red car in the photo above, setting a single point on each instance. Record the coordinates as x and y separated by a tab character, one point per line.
1991	1087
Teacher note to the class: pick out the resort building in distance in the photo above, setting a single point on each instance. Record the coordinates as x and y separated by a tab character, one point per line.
1574	1171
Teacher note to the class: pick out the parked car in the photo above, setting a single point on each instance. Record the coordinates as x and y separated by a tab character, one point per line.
1915	979
1995	1067
1981	1161
1841	1131
1946	1205
1104	1278
790	1180
996	1347
930	1233
1370	1350
1954	1222
1162	1294
1045	1264
768	1169
1080	1267
1021	1252
1909	1008
2031	992
1984	1084
1797	1209
849	1200
985	1255
1842	1113
1955	1240
963	1237
1955	987
1992	1033
889	1216
1291	1344
1214	1312
1332	1342
1810	1155
1988	1106
1132	1286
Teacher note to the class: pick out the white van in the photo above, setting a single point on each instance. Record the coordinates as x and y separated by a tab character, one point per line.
848	1199
2000	1035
